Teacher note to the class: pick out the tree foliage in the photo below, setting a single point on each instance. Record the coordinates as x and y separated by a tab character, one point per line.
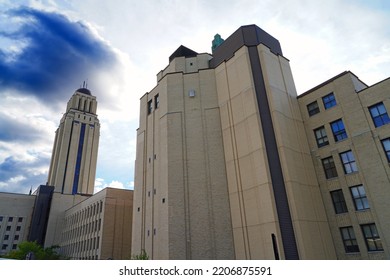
39	253
142	256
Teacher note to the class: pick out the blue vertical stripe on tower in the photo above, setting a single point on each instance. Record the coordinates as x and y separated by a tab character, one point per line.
78	160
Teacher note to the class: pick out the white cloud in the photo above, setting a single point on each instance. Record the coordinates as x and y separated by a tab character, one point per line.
101	184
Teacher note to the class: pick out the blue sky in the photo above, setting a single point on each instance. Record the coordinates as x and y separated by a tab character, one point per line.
48	48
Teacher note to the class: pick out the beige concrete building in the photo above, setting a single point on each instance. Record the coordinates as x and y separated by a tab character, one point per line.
15	219
182	205
347	127
227	154
99	227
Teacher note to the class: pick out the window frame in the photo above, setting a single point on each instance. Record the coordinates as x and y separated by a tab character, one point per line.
150	106
332	169
373	240
323	136
349	165
313	111
341	133
156	101
329	101
349	240
387	152
338	200
360	198
382	118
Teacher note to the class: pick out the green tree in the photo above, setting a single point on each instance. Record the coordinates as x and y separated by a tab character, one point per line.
39	253
142	256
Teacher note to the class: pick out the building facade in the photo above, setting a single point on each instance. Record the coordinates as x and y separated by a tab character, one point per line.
15	220
347	127
99	227
225	143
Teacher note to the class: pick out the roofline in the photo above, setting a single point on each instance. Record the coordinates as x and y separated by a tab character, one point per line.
324	83
377	83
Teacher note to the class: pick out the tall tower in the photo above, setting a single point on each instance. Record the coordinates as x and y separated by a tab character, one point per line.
73	163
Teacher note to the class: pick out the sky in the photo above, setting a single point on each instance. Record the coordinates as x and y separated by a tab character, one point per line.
48	48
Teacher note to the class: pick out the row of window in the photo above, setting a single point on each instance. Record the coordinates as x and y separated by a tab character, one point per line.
377	111
358	195
84	214
8	228
11	219
5	246
156	104
349	164
82	230
328	100
6	237
81	246
370	234
338	130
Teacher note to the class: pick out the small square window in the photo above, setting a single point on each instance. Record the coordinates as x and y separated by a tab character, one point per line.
10	219
14	246
1	218
379	114
313	108
16	237
349	162
6	237
329	168
4	246
321	137
338	130
386	147
8	228
329	101
20	219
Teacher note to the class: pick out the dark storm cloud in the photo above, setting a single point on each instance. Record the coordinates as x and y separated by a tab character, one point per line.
19	176
15	131
56	54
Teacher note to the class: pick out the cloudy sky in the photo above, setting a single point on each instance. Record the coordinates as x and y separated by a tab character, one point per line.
48	48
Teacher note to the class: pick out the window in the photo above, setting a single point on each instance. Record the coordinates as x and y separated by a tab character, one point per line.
1	218
386	147
150	106
8	228
359	198
379	114
16	237
14	246
10	219
321	137
4	247
313	109
349	162
20	219
156	101
371	236
349	240
339	202
338	130
329	167
329	101
6	237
